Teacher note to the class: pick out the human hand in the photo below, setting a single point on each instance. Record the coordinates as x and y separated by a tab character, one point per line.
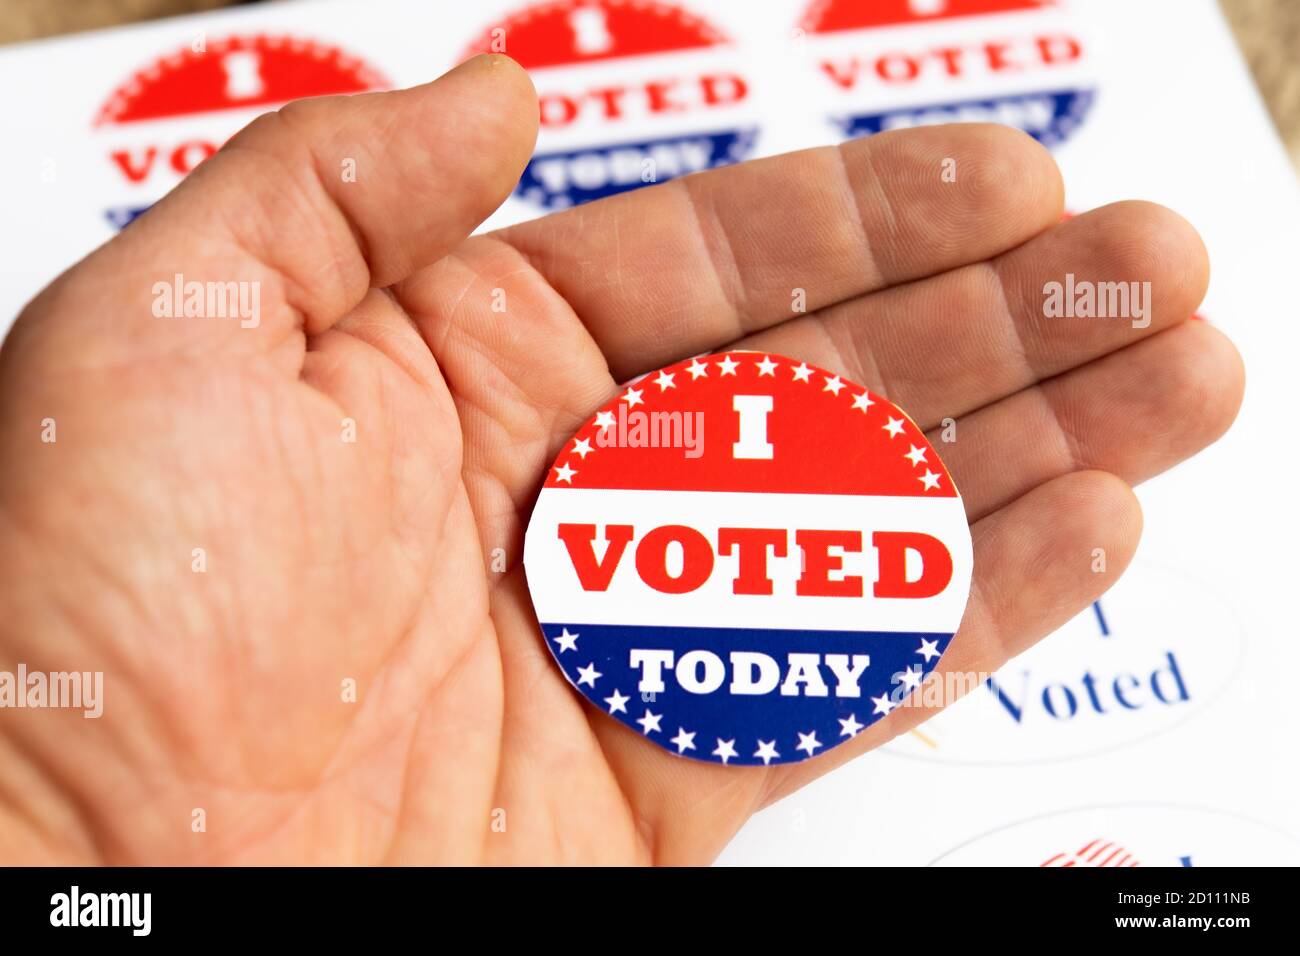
328	560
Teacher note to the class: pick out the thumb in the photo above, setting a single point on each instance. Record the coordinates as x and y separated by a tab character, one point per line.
311	205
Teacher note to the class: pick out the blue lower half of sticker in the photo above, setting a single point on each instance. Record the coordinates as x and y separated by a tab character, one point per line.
1050	116
561	179
740	695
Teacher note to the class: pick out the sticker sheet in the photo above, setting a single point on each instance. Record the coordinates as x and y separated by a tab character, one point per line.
1157	727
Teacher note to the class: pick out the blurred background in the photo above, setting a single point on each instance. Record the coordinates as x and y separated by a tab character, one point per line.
1268	32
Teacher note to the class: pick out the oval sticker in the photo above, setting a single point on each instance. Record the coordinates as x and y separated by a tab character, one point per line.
740	555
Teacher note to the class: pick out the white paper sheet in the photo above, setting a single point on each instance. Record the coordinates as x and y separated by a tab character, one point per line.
1156	728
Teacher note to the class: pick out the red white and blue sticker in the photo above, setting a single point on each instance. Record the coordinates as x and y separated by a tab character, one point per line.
894	64
747	559
631	92
177	111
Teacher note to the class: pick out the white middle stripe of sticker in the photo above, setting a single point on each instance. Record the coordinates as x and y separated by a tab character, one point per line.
559	594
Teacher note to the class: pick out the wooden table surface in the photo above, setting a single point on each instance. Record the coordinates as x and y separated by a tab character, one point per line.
1268	32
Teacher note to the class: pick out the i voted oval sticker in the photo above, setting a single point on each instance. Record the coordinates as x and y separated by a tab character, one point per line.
747	559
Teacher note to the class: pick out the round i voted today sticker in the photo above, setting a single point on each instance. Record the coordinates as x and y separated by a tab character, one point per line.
747	559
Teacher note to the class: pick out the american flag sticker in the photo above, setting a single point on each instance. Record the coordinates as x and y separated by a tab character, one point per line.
747	559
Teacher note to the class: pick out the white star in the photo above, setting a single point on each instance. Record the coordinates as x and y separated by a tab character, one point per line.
833	385
850	727
567	641
587	675
928	649
618	702
767	751
697	369
862	402
633	397
883	704
912	679
726	749
894	427
801	372
728	365
565	473
767	367
808	742
582	447
604	420
683	741
915	456
929	480
649	722
665	381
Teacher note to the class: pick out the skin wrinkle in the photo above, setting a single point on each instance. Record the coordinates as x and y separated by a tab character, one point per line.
885	203
498	658
77	801
1069	449
859	361
463	398
162	731
272	820
364	326
1072	458
721	256
116	662
871	266
335	267
528	402
330	212
391	479
643	831
543	424
539	661
55	827
80	804
618	253
981	603
403	798
1003	310
538	265
444	328
280	448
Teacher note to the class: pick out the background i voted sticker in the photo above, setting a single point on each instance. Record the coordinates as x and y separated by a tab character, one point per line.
1127	836
630	92
893	64
179	109
1157	649
742	556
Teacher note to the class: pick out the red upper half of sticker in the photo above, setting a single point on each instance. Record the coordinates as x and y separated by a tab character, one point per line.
235	73
830	16
584	31
751	422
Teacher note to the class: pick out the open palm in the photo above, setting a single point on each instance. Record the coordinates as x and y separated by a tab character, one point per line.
294	549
